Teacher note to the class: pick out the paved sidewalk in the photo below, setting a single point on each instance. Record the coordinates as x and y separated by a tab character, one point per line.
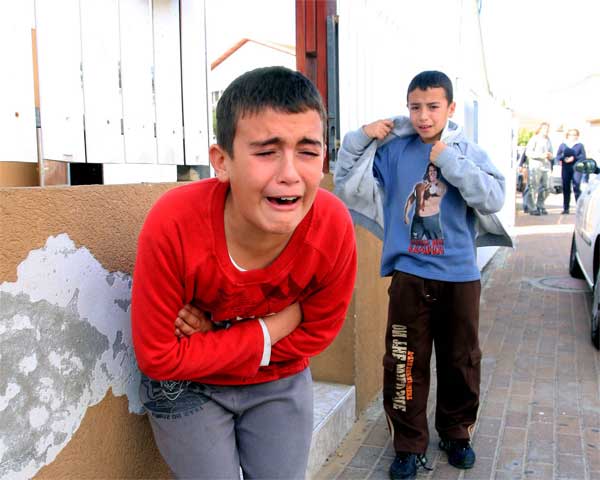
540	393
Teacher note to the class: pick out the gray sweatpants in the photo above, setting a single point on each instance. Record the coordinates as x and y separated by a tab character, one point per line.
209	431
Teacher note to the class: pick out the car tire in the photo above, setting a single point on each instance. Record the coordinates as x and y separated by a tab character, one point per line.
595	323
574	268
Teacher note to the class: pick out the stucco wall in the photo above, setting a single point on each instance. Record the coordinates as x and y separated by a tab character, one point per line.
104	219
356	355
110	443
64	334
18	174
371	302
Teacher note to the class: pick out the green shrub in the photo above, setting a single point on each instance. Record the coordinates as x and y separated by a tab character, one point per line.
524	136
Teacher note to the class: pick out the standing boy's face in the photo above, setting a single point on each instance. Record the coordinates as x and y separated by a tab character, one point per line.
429	112
275	171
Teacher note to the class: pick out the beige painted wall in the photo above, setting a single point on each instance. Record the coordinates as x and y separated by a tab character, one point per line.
104	219
355	358
110	442
19	174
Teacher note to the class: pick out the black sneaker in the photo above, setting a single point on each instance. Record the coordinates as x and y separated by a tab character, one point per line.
460	453
405	465
543	211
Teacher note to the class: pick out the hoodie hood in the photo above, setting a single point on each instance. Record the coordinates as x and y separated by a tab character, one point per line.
452	133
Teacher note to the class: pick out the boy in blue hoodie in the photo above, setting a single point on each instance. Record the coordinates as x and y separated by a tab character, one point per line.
426	190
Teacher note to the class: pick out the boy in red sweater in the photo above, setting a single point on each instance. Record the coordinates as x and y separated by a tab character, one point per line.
262	262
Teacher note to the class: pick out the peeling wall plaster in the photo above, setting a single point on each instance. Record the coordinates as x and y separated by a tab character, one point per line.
65	339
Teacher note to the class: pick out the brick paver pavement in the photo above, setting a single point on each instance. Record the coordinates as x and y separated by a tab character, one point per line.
540	395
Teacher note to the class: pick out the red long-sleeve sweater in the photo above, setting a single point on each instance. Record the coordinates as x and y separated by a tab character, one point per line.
182	258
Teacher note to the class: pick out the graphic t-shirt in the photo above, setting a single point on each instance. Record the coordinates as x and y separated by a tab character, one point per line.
428	228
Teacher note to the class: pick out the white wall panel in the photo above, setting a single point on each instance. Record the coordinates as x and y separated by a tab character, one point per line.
167	82
193	63
17	114
102	92
382	45
136	80
59	64
497	138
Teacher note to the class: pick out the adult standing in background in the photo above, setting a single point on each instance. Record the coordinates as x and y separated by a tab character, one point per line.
524	184
569	153
539	166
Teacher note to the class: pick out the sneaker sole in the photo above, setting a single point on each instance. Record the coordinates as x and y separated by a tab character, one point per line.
402	477
462	467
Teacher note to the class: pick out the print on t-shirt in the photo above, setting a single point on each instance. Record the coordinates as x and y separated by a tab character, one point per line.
426	235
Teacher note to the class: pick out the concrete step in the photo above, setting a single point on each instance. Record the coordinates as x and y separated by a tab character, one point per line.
334	416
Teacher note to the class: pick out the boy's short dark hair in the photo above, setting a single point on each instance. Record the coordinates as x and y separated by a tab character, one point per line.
279	88
432	79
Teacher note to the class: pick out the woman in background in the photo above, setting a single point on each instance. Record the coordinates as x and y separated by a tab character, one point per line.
569	153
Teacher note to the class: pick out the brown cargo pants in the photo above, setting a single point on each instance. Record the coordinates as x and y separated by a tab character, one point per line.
424	313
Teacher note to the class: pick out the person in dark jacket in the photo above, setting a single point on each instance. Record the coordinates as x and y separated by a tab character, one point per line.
569	153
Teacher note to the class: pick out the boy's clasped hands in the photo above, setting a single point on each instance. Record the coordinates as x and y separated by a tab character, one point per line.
191	320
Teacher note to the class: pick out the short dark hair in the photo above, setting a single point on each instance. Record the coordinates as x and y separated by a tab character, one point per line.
432	79
279	88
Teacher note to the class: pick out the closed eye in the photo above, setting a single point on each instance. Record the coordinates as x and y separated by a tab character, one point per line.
307	152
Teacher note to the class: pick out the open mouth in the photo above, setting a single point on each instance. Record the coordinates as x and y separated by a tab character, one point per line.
283	200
